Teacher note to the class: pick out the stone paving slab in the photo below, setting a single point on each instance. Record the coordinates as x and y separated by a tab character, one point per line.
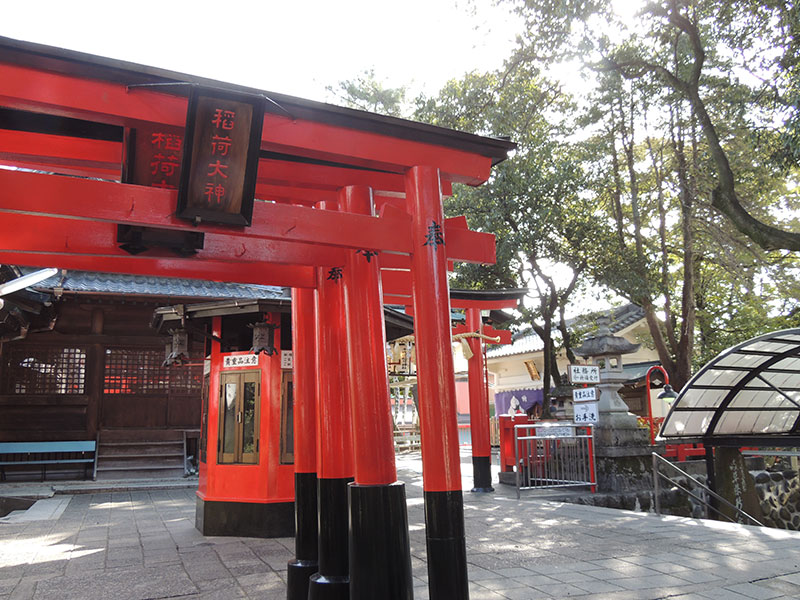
46	489
141	544
139	584
42	510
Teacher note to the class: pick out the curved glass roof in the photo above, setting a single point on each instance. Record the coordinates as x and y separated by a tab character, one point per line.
749	391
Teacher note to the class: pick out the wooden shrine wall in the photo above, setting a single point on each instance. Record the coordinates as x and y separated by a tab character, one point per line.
99	368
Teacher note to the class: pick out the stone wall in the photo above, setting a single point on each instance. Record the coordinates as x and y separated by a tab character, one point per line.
779	495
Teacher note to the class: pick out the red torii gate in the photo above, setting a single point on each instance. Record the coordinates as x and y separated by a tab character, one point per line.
473	302
339	185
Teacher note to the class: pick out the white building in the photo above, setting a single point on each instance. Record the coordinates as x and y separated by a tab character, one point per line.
515	370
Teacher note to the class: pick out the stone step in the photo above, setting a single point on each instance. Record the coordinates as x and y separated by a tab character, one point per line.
140	435
133	466
140	448
144	462
162	473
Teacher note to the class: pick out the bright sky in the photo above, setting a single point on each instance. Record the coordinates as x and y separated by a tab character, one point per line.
294	47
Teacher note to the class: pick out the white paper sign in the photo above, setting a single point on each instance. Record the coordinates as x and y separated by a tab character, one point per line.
584	374
588	394
557	431
287	359
586	413
240	360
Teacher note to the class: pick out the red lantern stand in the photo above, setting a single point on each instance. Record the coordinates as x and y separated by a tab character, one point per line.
307	153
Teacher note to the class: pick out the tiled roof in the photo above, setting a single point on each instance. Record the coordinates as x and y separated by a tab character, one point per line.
455	316
109	283
527	341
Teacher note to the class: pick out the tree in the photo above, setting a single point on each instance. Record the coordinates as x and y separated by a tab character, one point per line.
629	202
683	45
367	92
666	249
668	129
532	202
648	186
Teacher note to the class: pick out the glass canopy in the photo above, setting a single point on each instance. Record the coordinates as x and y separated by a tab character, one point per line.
748	393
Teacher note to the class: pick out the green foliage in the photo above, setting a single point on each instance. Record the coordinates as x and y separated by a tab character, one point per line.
367	92
532	202
618	188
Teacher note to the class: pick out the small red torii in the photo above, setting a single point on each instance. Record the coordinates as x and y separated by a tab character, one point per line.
473	302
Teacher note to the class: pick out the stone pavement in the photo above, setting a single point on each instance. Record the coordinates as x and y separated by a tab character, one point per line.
138	545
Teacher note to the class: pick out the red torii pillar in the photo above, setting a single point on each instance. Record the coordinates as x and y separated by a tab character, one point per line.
473	302
441	466
478	408
380	557
304	333
334	437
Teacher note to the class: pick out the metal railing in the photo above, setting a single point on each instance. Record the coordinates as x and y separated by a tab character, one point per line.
550	456
658	475
406	439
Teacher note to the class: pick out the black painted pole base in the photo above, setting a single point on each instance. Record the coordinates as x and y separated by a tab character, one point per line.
306	539
332	582
380	556
297	576
482	474
447	550
328	588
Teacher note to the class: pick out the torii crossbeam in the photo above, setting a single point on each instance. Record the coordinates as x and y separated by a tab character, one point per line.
337	191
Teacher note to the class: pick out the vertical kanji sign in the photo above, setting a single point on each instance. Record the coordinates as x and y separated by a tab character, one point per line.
220	162
154	156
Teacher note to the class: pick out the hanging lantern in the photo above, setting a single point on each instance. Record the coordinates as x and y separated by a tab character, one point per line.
263	338
180	348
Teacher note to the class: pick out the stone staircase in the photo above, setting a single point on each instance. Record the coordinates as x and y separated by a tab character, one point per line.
140	454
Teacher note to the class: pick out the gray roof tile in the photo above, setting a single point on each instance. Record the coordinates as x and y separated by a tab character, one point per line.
527	341
109	283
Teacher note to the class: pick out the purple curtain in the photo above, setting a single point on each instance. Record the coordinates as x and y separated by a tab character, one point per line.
526	398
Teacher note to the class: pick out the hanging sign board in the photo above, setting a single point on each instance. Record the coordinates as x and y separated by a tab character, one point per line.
240	360
586	412
588	394
154	156
584	374
556	431
220	160
287	361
